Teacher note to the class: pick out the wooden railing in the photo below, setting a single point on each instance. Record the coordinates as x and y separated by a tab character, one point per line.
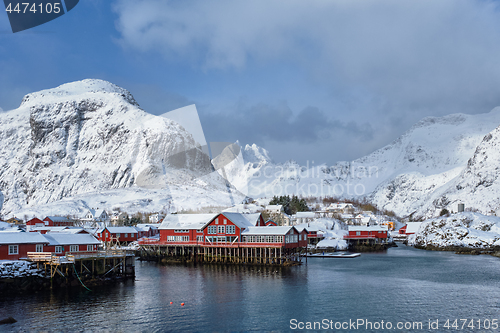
73	256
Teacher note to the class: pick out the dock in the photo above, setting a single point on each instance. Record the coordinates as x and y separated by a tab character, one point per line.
85	265
238	254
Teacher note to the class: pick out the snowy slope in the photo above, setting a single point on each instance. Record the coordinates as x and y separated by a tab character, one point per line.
405	176
477	185
91	136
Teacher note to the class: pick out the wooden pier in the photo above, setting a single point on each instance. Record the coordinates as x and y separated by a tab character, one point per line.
85	265
223	254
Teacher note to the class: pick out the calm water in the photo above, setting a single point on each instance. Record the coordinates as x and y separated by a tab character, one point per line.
402	285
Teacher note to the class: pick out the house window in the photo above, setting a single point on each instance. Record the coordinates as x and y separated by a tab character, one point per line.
199	239
225	221
90	248
13	249
39	247
126	235
212	229
358	233
118	235
230	229
73	248
221	229
217	221
59	249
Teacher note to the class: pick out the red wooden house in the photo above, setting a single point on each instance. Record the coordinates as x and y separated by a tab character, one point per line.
60	243
58	221
227	230
271	236
34	222
120	234
147	229
376	234
271	223
184	228
16	245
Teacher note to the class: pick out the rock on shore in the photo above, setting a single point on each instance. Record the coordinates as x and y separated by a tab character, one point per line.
463	230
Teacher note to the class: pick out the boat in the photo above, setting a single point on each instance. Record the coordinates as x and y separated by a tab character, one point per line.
333	255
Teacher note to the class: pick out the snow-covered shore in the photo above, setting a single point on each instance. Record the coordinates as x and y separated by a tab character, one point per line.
331	230
462	230
16	269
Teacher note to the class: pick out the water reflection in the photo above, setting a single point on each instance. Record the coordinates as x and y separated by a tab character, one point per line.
402	284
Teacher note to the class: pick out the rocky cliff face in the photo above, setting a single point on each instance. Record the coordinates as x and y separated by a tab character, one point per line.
89	136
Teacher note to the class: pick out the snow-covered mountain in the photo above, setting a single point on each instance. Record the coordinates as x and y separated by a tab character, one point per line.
87	137
436	164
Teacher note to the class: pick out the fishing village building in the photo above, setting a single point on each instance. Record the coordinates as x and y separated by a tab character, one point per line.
16	245
225	237
117	235
367	235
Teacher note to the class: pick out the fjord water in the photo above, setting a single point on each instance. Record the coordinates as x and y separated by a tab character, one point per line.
400	285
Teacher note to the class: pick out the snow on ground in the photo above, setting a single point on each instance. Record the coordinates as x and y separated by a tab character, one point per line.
472	230
12	269
135	199
245	209
332	231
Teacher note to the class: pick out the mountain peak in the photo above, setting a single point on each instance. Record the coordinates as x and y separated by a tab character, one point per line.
77	90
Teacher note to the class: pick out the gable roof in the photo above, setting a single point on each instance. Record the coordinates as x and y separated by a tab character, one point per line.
412	227
270	230
369	228
254	218
305	215
58	219
121	230
239	220
22	238
60	238
187	221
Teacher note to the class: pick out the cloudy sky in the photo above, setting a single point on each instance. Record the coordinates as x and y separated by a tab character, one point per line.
309	80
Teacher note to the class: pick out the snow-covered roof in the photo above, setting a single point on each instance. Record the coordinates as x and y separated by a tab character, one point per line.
121	230
239	220
21	238
148	225
270	230
186	221
48	229
4	225
71	239
303	226
59	219
305	215
412	227
253	218
340	205
368	228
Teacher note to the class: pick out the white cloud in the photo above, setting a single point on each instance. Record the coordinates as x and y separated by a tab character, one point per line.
388	62
415	53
